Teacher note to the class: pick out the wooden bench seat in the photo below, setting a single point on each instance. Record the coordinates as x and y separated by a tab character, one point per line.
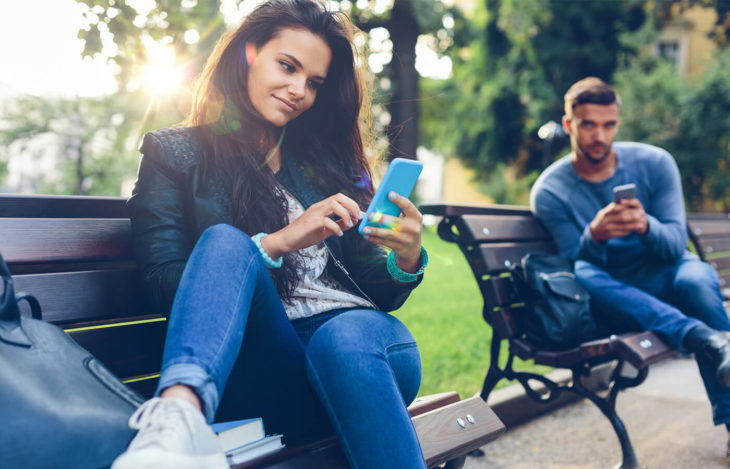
710	234
494	238
75	255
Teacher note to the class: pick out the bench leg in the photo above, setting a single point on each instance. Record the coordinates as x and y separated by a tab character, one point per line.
494	373
456	463
608	408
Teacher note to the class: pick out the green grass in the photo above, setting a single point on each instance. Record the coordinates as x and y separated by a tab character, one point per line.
445	315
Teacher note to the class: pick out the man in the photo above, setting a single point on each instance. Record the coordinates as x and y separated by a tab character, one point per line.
632	255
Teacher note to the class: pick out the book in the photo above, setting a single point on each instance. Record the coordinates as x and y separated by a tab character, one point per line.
237	433
254	449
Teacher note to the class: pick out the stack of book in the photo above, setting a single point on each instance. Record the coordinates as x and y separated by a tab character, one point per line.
243	440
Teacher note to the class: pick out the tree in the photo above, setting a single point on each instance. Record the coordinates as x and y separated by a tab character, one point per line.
688	119
404	21
84	143
129	35
116	24
511	79
93	140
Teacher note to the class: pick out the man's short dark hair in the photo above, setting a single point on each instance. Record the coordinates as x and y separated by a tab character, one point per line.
591	90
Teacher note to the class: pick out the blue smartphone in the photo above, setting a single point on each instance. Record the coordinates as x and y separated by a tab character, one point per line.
400	177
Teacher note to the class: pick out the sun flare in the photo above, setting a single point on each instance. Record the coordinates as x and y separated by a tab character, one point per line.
162	75
161	78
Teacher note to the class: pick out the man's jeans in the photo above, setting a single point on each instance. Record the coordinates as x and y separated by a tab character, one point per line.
351	370
668	299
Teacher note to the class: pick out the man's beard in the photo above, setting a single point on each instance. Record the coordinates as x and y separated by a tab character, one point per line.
598	160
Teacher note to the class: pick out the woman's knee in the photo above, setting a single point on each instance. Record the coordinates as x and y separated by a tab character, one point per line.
226	239
222	233
360	341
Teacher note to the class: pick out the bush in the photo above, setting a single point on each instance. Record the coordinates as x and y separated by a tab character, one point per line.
690	119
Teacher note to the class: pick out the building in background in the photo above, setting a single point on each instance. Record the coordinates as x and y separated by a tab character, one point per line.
685	41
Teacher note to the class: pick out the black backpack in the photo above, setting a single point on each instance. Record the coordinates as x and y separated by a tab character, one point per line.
558	314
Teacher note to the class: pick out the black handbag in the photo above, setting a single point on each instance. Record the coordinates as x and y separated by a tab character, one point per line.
59	406
558	312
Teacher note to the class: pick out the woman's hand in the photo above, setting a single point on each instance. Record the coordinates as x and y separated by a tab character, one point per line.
403	234
314	225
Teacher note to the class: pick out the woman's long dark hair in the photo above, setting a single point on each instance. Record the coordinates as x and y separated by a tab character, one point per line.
325	140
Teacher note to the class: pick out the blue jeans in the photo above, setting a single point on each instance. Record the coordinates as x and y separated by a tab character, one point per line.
669	299
352	371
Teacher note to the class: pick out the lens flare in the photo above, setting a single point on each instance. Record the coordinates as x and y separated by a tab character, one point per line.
364	181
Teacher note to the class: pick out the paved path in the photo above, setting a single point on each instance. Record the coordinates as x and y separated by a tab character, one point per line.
668	418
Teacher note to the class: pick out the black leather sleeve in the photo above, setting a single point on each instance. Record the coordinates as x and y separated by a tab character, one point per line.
158	210
365	263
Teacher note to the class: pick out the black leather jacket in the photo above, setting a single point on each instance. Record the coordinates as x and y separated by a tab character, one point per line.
172	204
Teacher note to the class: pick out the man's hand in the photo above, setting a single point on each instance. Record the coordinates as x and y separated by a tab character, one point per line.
619	219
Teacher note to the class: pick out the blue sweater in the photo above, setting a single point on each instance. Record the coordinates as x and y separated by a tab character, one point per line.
567	203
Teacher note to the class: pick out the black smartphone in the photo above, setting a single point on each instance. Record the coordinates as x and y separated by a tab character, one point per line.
624	191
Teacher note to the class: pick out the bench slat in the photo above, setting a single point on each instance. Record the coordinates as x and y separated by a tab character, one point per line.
496	258
84	296
487	228
61	206
448	210
52	240
128	351
146	388
720	263
702	227
709	246
424	404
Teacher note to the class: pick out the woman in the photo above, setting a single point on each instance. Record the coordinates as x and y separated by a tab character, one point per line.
250	210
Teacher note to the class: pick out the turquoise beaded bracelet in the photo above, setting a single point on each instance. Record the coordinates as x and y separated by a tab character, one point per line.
274	264
401	275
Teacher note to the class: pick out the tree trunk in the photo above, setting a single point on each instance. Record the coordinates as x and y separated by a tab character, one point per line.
404	105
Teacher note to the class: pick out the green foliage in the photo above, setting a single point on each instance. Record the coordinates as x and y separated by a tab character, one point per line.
116	24
406	21
445	316
503	185
88	141
688	119
122	33
511	80
94	140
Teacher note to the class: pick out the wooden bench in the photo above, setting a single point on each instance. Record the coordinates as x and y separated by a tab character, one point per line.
75	255
492	238
710	234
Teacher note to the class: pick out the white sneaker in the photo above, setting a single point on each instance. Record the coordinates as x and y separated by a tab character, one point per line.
172	434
